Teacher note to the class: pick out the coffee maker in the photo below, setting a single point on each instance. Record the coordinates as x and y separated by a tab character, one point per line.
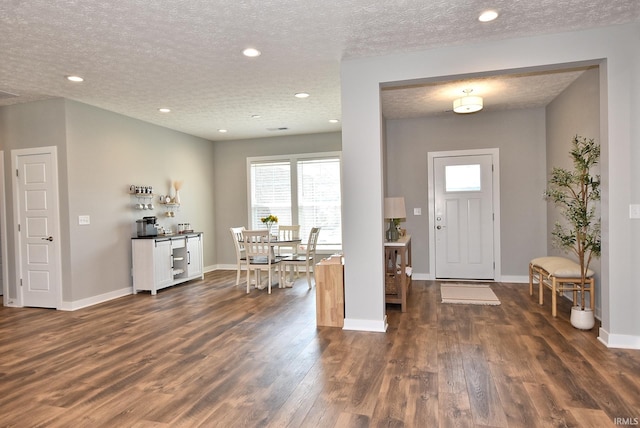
147	227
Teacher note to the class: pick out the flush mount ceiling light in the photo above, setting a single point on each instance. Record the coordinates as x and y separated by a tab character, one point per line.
76	79
488	16
164	110
468	103
301	95
222	131
333	121
251	52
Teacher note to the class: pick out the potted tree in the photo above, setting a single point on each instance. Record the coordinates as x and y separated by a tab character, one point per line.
576	193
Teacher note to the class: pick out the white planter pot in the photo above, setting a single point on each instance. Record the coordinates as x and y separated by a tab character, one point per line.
582	319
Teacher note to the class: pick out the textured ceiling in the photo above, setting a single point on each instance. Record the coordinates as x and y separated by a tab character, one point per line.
139	55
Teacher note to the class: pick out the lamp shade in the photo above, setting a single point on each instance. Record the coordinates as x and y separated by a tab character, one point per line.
394	208
467	104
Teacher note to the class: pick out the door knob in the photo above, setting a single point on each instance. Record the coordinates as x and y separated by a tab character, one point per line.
50	239
439	227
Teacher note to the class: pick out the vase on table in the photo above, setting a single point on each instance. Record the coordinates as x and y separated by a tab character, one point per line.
270	228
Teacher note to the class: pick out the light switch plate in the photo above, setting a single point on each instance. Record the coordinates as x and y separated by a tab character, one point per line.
84	220
417	211
634	211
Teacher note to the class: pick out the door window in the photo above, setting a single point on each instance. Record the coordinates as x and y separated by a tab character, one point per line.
462	178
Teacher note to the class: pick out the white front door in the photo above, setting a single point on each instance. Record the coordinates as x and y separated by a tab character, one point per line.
36	202
463	217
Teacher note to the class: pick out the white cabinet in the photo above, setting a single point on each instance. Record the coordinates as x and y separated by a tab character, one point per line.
165	261
194	256
162	275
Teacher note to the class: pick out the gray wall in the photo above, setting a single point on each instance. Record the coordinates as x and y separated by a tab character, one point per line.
615	48
574	112
100	154
230	183
23	126
520	137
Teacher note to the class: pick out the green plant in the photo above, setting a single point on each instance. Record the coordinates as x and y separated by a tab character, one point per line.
269	220
576	192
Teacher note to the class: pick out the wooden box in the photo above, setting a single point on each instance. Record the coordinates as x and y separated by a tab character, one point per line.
329	274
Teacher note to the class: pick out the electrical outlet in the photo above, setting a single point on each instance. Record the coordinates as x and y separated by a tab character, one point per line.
83	220
634	211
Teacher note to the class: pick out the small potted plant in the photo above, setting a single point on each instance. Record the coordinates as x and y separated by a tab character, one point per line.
576	193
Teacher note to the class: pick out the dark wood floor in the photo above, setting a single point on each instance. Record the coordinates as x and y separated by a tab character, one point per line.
207	354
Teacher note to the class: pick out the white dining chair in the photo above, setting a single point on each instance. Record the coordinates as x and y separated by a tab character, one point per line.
260	257
236	235
307	259
288	233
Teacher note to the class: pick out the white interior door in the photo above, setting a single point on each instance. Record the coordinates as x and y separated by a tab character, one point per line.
36	201
463	217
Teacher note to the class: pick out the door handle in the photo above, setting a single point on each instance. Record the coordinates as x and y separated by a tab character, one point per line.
440	227
50	239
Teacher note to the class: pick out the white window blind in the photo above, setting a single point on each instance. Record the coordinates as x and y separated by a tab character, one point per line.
319	200
270	192
301	189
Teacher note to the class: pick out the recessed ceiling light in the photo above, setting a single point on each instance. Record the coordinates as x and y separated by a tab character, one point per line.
255	116
487	16
251	52
333	121
222	131
301	95
164	110
74	79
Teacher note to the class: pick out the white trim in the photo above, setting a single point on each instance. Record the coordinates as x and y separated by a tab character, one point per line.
519	279
3	237
95	300
225	267
366	325
622	341
211	268
495	154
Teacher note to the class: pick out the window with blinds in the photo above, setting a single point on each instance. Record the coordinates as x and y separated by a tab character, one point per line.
270	192
298	189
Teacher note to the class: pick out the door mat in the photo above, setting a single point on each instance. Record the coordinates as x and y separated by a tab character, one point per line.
470	294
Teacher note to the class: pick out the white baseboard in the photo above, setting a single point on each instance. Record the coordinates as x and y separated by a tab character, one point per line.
218	267
504	278
365	325
94	300
622	341
519	279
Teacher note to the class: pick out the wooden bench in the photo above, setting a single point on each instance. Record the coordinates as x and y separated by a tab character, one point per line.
559	274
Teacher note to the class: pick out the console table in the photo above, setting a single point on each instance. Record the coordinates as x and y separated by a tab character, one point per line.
397	261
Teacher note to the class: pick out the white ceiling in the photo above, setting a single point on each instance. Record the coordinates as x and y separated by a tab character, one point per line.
139	55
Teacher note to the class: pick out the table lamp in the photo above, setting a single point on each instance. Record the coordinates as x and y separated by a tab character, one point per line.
394	210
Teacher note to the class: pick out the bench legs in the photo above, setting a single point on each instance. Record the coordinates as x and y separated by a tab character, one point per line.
559	285
534	272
